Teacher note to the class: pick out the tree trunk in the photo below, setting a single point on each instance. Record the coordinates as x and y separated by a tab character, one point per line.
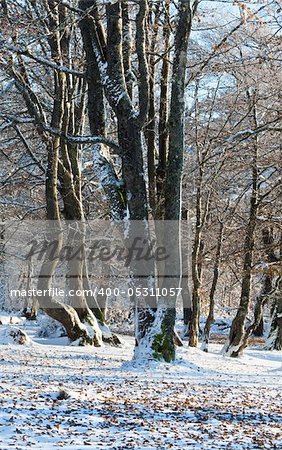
258	331
154	333
274	340
236	334
197	255
68	170
150	129
185	258
210	318
163	343
268	241
130	134
233	344
104	170
163	117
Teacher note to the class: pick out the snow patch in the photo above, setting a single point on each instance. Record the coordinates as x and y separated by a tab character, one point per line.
13	335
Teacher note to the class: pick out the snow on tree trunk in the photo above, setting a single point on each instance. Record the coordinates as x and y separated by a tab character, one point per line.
154	334
158	342
65	314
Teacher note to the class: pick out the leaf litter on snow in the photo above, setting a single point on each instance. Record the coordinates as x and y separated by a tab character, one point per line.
53	395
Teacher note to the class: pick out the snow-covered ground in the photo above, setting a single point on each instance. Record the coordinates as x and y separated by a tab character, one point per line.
202	401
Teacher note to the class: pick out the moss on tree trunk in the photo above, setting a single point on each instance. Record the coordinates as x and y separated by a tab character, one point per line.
163	343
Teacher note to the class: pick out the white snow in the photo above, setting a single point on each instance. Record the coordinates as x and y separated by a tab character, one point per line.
13	335
202	401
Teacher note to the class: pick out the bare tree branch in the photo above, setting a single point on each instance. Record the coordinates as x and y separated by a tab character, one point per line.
11	120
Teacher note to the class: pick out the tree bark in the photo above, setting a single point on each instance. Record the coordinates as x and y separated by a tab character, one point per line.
236	335
210	318
185	258
274	340
163	342
163	117
150	130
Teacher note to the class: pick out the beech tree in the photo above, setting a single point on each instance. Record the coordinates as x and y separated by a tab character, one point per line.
111	56
120	71
65	114
274	341
107	82
219	134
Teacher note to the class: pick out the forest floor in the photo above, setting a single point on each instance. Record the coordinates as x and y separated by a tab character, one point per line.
202	401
